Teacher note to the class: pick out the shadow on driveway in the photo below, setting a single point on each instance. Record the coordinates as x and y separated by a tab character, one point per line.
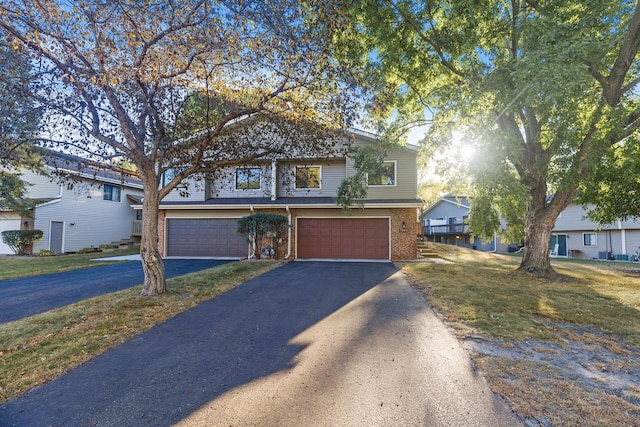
308	343
161	376
24	297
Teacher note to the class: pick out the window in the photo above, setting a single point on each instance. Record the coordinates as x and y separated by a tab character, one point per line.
248	179
111	192
308	176
589	239
384	174
169	174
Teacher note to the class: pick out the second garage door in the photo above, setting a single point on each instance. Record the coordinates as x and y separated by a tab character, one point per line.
343	238
206	238
5	225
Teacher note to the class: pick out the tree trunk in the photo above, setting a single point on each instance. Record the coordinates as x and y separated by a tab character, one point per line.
540	219
152	265
535	259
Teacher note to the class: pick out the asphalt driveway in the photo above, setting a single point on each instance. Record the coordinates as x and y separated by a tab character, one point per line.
27	296
306	344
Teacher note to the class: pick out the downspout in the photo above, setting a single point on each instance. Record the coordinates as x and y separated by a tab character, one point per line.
288	234
274	179
623	237
495	244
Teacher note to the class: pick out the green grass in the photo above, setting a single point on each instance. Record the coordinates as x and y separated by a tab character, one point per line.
483	291
12	267
39	348
483	297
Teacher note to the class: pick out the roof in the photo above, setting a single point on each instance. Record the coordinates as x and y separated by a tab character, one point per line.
459	201
74	166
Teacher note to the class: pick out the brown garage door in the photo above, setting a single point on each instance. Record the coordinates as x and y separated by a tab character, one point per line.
205	237
343	238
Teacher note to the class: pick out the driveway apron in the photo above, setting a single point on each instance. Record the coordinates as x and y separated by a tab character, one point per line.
306	344
27	296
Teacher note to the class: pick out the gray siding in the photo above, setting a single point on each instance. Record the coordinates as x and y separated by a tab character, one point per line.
88	219
332	174
195	188
406	176
447	210
573	218
44	187
620	238
223	184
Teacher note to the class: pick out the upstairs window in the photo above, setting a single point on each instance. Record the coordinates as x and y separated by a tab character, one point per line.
589	239
307	176
248	179
111	192
384	174
168	176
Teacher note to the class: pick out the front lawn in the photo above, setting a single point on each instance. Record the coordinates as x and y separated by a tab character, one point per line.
39	348
19	266
562	353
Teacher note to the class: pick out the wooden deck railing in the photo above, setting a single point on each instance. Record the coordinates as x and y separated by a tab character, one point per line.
137	228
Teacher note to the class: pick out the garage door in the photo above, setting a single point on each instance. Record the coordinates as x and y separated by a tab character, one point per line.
205	237
343	238
7	224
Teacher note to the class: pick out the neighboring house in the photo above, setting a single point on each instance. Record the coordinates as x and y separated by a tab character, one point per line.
576	236
94	210
204	223
445	222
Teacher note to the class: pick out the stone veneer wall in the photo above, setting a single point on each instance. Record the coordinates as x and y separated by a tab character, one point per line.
404	243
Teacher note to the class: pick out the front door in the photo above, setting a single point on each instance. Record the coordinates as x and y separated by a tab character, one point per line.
55	236
561	241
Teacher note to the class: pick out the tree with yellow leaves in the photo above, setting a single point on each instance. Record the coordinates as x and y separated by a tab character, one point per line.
122	79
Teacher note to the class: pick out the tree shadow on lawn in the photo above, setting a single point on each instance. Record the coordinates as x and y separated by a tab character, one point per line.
166	373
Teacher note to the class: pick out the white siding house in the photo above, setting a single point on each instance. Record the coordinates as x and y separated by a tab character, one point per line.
95	210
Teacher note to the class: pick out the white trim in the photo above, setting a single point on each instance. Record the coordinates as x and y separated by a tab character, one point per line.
98	179
395	176
295	177
274	179
297	231
566	240
247	190
416	204
595	235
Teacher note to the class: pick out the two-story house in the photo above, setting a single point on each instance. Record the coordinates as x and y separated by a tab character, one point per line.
304	189
576	236
91	209
445	221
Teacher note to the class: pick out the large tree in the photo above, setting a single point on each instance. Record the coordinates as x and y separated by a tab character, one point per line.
613	191
118	79
541	89
18	128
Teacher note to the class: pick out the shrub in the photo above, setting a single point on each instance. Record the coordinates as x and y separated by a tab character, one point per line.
261	225
108	246
20	240
88	250
46	252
